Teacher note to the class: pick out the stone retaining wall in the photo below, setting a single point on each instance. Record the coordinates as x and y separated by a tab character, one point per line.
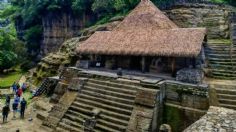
184	104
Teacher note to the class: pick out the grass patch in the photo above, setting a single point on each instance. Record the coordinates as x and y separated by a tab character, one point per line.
8	79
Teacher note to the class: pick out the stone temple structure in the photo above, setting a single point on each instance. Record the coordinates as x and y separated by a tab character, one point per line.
148	50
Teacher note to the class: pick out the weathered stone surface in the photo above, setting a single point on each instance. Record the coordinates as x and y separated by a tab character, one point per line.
188	75
57	27
59	109
184	104
214	17
146	98
77	84
140	120
66	54
41	105
60	89
217	119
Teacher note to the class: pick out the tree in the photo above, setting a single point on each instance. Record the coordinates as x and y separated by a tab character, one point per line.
33	37
81	6
103	7
7	56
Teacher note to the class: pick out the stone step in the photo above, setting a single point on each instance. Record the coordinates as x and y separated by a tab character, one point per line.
77	122
116	94
228	106
222	77
79	114
104	128
112	126
127	81
220	45
110	88
222	59
65	126
104	106
106	101
81	108
221	74
226	96
103	122
102	116
221	55
226	71
220	50
73	118
114	84
227	101
226	86
226	91
222	66
105	96
222	63
58	129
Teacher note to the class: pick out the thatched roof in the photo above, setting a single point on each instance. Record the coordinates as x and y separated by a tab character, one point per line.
146	15
146	31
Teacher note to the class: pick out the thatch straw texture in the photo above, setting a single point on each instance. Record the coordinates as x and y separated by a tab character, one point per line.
146	15
146	31
173	42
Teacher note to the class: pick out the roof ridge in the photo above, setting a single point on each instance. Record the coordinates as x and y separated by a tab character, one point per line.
146	14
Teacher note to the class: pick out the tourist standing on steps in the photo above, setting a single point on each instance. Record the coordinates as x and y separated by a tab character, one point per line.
19	92
8	100
24	87
15	105
5	112
23	105
14	87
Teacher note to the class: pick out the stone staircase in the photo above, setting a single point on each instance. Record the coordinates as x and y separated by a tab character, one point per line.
115	99
226	94
221	57
42	88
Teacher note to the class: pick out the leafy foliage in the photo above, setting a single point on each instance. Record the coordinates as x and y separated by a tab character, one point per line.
7	56
33	37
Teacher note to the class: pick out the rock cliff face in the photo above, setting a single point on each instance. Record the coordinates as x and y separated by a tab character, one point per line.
214	17
58	27
66	54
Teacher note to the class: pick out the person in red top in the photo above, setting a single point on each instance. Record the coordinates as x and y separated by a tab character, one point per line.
19	92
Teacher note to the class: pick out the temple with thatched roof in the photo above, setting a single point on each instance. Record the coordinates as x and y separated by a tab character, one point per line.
146	40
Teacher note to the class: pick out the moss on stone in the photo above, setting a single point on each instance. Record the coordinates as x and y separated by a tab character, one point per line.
220	41
173	117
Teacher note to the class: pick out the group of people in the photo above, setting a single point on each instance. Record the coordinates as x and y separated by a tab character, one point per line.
19	102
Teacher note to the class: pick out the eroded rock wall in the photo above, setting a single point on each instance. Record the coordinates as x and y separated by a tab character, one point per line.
57	27
216	18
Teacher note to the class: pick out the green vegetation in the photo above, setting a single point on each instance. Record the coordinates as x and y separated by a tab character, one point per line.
9	79
220	41
174	117
10	48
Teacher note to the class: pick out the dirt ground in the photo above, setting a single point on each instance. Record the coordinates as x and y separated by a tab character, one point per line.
26	125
